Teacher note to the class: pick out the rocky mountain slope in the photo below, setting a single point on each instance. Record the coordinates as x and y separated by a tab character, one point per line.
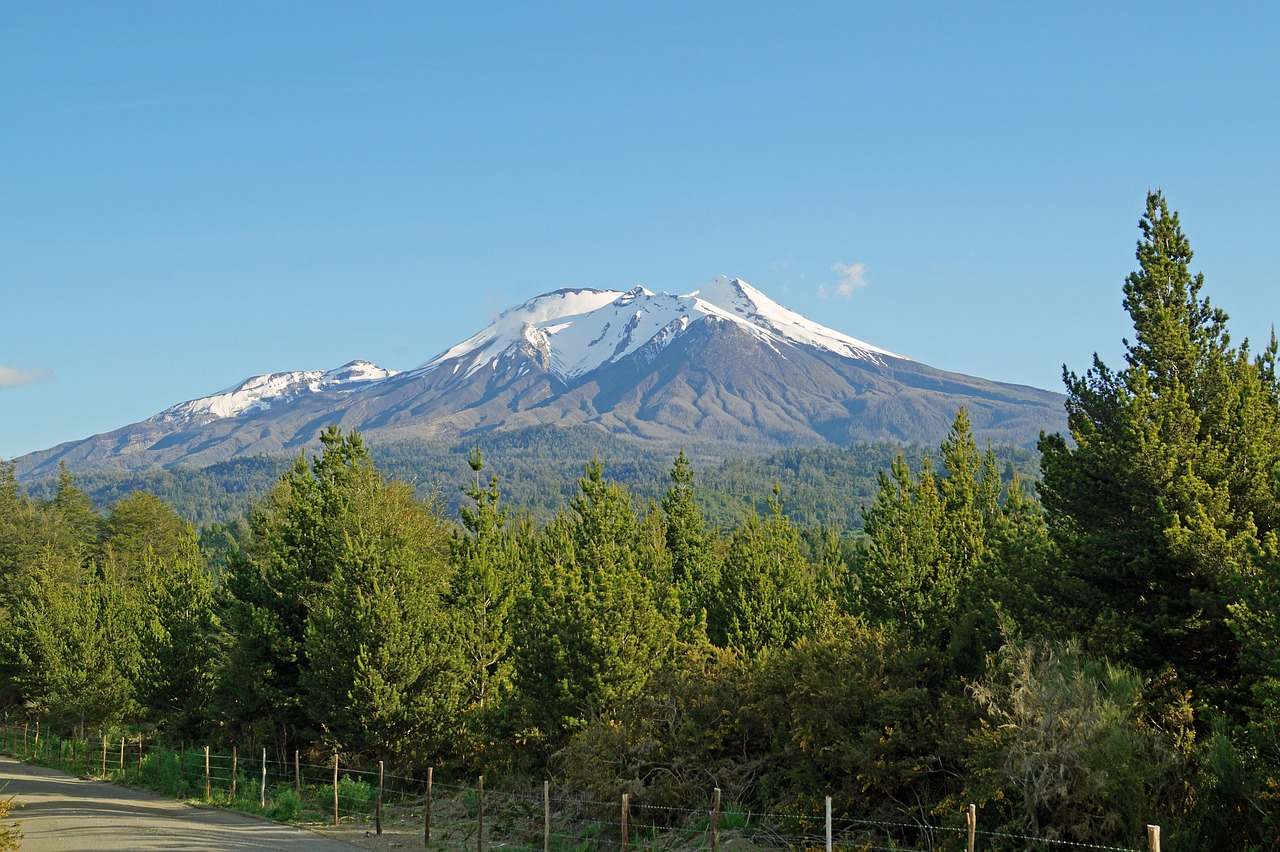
722	364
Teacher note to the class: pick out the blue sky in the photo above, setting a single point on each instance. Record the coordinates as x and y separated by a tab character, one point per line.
194	193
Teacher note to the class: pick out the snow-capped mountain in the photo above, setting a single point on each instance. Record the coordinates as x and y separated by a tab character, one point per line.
261	392
721	364
578	331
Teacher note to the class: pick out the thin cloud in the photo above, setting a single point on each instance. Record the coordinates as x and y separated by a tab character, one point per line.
853	277
16	377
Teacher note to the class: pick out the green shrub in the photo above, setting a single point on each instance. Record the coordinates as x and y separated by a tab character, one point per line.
353	795
288	804
10	836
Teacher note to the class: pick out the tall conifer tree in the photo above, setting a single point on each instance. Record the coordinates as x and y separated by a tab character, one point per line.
1166	486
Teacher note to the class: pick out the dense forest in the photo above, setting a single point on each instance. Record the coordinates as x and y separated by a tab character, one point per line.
1080	654
539	467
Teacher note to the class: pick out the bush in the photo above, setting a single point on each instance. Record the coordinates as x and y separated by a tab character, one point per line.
10	836
288	804
355	796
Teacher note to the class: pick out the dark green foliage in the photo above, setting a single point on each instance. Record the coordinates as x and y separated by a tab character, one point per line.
215	494
147	548
768	595
1068	750
332	609
1078	669
378	680
687	726
884	733
1168	488
489	576
76	650
929	535
826	486
695	565
594	623
69	628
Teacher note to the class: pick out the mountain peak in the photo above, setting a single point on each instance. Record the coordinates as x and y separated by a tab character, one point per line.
583	329
724	363
259	393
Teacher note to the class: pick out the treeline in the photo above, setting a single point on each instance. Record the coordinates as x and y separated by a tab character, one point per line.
539	467
1078	667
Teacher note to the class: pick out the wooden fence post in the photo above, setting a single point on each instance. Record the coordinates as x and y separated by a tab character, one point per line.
480	814
1153	837
715	822
971	818
828	824
624	820
426	812
104	754
235	770
335	788
297	773
546	816
377	813
139	758
262	793
207	790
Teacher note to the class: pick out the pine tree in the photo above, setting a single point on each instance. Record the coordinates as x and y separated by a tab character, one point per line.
767	597
379	672
926	536
139	532
592	628
486	581
342	572
902	578
695	570
153	553
1165	490
77	652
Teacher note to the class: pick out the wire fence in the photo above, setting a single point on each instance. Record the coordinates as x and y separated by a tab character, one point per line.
424	812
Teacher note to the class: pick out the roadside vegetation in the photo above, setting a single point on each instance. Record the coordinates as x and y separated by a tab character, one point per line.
1080	654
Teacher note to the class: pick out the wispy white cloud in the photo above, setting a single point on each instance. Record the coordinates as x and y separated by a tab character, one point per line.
853	277
16	377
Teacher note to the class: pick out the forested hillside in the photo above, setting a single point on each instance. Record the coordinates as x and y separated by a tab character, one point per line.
1078	667
539	468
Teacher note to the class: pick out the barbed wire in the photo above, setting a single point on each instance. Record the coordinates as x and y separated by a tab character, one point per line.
576	817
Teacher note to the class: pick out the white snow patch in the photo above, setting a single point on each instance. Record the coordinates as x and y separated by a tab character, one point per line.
261	392
583	329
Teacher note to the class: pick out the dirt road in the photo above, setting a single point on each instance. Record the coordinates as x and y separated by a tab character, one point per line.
63	813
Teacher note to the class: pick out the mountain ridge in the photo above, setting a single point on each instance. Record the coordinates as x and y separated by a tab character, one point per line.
721	364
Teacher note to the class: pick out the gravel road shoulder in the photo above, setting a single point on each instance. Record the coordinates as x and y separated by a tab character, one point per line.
63	813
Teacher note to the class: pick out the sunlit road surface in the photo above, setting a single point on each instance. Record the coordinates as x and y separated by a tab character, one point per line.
63	813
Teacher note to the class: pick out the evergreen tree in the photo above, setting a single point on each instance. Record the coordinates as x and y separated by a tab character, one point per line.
694	567
1166	487
76	648
75	520
139	532
148	550
927	536
378	676
486	581
901	576
592	628
767	597
336	555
